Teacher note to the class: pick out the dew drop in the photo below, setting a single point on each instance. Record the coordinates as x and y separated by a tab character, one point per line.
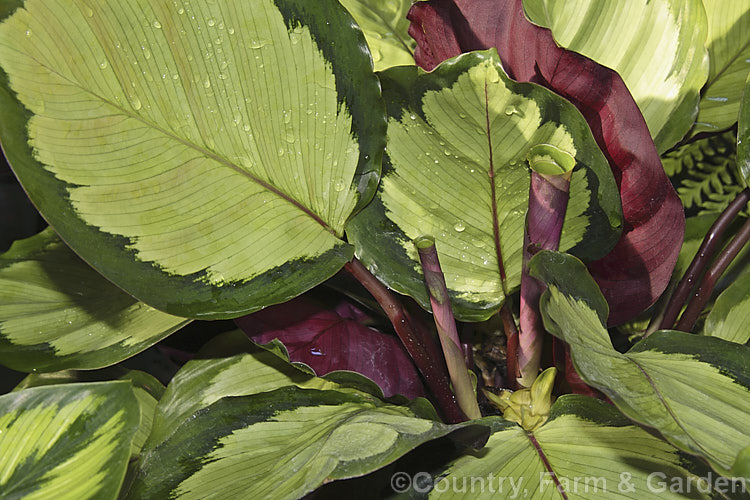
89	12
156	24
28	32
180	11
338	186
446	152
493	77
146	53
206	83
257	44
459	227
461	115
289	137
413	116
230	31
376	55
103	65
280	152
222	76
211	21
246	127
135	102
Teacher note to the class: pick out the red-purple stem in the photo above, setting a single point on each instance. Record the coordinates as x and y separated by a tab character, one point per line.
414	340
706	286
702	259
446	326
548	201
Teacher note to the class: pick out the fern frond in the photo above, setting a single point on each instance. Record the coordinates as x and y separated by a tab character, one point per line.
705	173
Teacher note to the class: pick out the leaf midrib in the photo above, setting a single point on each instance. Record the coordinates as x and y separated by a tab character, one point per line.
207	153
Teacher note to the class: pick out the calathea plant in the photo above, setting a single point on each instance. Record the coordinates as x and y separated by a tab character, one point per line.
313	172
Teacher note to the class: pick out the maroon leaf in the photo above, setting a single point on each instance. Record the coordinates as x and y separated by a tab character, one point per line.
638	269
336	339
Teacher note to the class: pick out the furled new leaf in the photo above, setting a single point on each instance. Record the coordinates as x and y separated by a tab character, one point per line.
635	273
205	157
693	389
587	449
656	47
66	441
386	30
728	44
461	142
56	312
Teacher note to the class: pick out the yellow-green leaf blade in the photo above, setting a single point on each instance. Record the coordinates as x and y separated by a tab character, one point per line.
386	29
70	441
587	449
693	389
656	47
56	312
728	44
217	147
461	140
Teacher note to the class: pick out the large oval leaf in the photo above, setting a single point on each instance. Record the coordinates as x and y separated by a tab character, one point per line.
728	45
205	157
66	441
639	268
465	180
695	390
56	312
587	449
281	444
656	47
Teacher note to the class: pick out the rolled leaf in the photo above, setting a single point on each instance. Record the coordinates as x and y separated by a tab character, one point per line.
203	157
462	141
638	269
66	441
694	390
656	47
56	312
386	29
587	449
728	44
330	339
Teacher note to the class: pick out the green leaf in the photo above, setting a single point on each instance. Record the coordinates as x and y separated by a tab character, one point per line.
56	312
730	315
693	389
386	29
460	141
203	157
728	45
147	389
656	47
199	383
592	450
743	135
66	441
281	444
